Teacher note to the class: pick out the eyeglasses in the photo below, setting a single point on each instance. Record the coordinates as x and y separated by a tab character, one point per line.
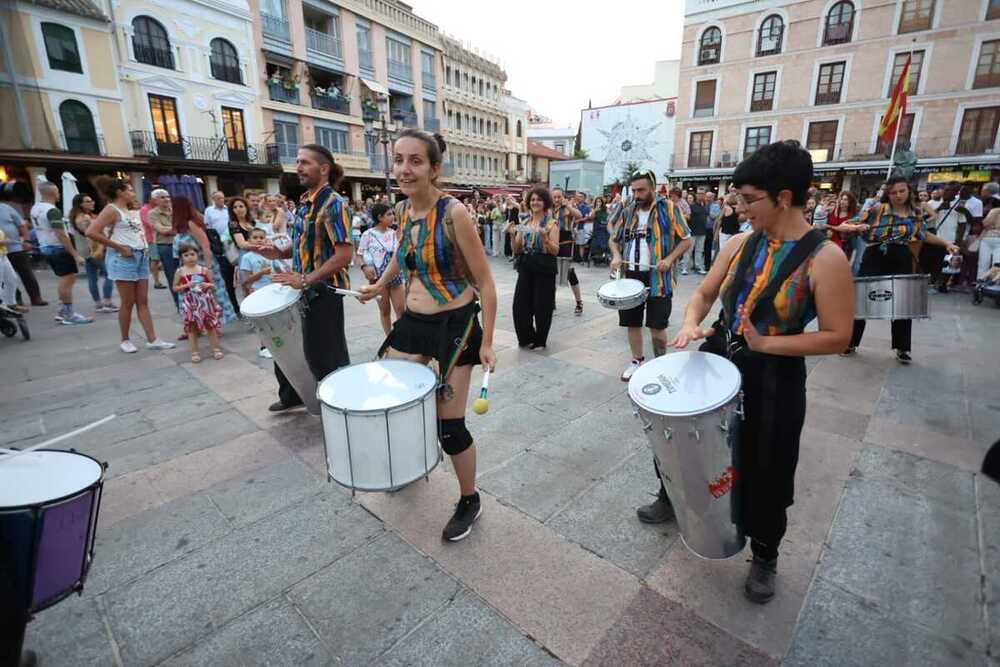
747	203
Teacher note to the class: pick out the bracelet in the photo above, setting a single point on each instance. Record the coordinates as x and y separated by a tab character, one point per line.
302	277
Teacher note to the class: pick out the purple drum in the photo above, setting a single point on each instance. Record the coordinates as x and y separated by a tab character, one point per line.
49	502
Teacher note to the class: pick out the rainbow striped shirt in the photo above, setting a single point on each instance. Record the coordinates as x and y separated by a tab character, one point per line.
666	224
320	223
439	263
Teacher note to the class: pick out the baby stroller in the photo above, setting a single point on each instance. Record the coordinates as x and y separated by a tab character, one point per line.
11	321
990	287
599	253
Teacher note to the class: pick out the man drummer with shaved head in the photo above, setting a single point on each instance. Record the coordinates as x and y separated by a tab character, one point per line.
652	233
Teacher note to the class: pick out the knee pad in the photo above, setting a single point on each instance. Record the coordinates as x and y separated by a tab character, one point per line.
573	280
455	438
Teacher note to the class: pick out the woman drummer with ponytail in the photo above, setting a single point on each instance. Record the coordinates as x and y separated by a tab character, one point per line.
448	281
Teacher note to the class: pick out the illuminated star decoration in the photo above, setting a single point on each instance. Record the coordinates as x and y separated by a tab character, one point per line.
627	142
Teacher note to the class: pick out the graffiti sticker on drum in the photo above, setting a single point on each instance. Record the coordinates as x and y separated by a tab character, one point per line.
723	484
880	295
651	388
277	341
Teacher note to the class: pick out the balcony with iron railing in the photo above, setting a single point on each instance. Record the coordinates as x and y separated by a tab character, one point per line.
274	26
153	55
400	70
366	61
279	92
429	81
226	72
324	43
335	103
406	118
205	149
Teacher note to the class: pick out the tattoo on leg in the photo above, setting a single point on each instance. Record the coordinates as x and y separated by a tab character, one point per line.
659	348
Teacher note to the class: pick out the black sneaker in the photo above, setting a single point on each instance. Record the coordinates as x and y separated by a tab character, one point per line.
467	510
903	357
759	586
658	511
848	352
579	308
278	406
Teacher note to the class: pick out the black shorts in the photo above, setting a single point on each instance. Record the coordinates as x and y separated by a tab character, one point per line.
61	261
438	335
565	243
656	308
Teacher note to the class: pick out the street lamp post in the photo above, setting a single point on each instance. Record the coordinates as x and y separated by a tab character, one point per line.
384	135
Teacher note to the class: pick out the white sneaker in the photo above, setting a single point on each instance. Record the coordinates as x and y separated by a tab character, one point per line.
684	272
75	318
128	347
159	344
264	353
630	369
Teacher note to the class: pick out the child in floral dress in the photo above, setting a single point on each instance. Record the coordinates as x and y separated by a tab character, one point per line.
200	312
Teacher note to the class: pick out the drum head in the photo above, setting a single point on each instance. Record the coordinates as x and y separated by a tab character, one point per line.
39	477
621	288
684	384
376	385
269	300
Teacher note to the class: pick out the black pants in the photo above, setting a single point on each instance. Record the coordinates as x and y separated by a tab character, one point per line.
774	406
228	277
21	261
897	260
323	340
709	247
534	299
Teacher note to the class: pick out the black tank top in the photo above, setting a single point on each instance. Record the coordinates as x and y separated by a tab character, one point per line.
730	224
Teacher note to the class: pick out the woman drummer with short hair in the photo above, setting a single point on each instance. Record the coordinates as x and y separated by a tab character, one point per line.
447	278
773	282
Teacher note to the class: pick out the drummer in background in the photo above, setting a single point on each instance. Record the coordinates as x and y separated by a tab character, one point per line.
770	352
653	232
446	270
566	218
320	253
537	242
887	230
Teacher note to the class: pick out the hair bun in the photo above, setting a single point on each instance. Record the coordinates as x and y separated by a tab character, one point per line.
442	146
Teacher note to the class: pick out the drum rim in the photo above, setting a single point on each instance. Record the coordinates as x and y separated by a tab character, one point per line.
69	496
603	285
372	489
679	415
892	276
256	316
346	411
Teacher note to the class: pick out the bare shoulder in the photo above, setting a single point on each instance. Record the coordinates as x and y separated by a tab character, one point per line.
830	267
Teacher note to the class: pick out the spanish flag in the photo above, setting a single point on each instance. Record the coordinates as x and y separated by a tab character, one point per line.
897	105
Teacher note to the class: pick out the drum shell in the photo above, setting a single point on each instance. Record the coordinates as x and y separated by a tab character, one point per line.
281	333
381	450
49	546
622	303
695	455
899	297
564	264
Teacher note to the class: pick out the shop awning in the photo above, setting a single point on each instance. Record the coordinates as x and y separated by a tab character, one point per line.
375	86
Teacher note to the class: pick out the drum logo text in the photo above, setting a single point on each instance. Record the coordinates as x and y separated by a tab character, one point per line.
723	484
880	295
670	384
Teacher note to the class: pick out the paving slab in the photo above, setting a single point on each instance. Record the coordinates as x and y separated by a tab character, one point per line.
535	484
467	632
272	634
559	594
508	430
841	629
950	449
71	633
367	601
197	594
656	631
264	491
833	419
602	519
918	551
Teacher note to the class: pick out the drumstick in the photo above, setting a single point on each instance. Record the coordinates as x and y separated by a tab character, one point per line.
481	405
10	454
351	292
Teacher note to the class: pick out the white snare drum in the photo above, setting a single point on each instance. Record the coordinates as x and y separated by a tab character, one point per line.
622	294
276	314
380	424
901	297
690	407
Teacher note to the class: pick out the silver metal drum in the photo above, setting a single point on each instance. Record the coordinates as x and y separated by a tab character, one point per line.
380	424
690	407
622	294
891	297
276	314
564	264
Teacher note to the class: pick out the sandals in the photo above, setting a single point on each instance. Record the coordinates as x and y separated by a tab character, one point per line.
195	358
217	354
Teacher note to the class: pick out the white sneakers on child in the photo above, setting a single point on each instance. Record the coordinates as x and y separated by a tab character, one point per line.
128	347
160	344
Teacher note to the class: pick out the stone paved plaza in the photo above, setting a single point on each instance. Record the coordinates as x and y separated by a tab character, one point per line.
221	542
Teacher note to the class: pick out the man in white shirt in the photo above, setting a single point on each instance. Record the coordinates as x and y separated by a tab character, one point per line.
217	215
58	250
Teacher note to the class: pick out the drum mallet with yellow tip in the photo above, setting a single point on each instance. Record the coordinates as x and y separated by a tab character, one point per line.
481	405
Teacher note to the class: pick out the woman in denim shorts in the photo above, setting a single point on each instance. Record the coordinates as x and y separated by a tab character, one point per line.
126	259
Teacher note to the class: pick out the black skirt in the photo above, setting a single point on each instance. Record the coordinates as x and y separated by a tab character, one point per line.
439	335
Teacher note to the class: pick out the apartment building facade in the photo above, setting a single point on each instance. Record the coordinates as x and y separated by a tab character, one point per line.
515	129
475	118
821	71
346	75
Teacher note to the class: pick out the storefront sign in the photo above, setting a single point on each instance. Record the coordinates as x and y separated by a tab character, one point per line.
979	176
